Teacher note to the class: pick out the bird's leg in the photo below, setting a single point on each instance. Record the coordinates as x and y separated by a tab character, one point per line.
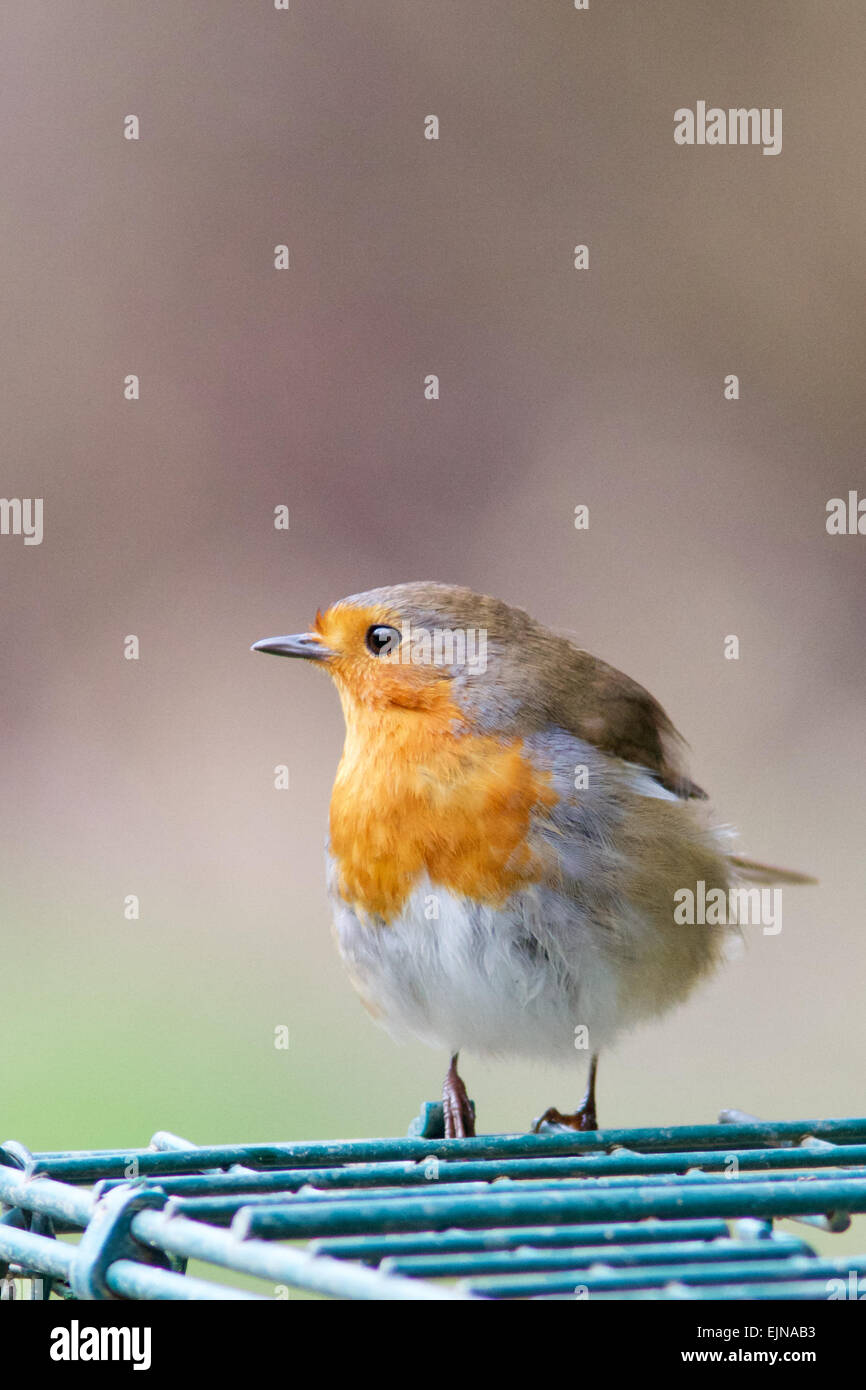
456	1106
583	1119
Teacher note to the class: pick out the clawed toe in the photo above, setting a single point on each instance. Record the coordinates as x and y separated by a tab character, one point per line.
551	1116
582	1120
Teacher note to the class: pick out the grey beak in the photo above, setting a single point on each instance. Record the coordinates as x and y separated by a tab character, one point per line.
305	644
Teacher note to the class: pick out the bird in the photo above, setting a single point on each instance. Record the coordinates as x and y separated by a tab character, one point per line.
510	825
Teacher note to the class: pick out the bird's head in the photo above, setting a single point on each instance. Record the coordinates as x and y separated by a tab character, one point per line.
469	661
424	647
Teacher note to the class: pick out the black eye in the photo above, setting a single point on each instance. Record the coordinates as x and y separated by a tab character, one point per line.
381	641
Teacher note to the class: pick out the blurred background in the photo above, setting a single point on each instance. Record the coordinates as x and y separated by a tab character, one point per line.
305	388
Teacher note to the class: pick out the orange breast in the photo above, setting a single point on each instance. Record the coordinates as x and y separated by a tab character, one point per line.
414	796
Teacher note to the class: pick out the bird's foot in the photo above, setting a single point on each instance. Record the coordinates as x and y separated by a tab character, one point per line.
457	1108
583	1119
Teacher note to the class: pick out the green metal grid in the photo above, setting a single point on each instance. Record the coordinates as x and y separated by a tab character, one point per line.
672	1213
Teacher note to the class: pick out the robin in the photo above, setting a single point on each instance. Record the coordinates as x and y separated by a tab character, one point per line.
511	828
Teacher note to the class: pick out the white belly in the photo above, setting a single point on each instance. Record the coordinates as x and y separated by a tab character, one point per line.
475	978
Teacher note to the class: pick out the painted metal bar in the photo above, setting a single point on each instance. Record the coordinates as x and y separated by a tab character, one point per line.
690	1197
593	1280
83	1166
795	1290
421	1174
375	1248
222	1209
129	1279
525	1260
34	1252
45	1195
451	1241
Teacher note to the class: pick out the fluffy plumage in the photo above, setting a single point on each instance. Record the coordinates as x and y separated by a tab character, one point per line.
506	841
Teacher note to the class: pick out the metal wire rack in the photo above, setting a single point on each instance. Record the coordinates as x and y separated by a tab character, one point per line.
671	1213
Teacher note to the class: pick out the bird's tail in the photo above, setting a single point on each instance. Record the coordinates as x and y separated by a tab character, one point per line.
765	873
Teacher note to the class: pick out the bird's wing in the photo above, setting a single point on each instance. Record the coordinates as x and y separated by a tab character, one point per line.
611	711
